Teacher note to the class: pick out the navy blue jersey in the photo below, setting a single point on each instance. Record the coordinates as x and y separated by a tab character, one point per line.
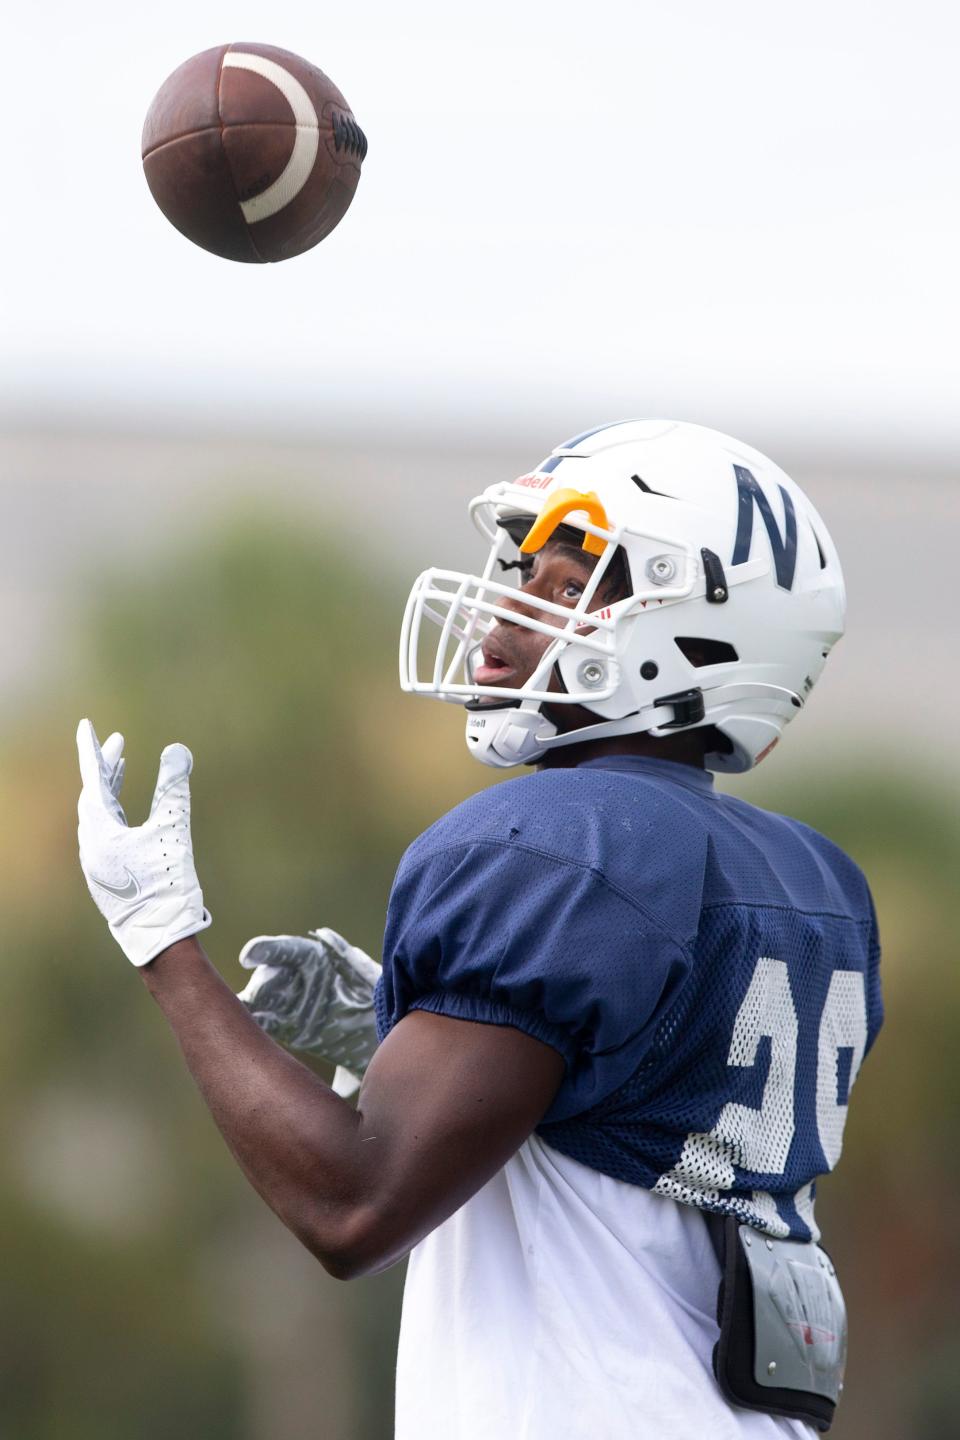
707	970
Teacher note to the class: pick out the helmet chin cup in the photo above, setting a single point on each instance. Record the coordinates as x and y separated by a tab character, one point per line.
503	736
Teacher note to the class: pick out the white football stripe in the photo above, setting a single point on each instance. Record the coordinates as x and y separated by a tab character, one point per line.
306	141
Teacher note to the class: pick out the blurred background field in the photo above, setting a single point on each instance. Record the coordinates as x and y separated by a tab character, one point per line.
146	1291
216	486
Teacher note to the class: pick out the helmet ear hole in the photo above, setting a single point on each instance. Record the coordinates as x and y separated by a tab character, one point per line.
699	651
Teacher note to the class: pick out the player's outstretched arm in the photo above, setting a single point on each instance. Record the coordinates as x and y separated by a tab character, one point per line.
444	1105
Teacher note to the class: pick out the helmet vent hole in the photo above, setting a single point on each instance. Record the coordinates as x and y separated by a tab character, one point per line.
648	489
649	670
823	558
699	651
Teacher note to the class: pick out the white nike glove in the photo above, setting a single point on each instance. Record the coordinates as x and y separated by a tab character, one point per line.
141	877
315	994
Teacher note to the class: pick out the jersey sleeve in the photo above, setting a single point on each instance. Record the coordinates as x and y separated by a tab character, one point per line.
507	935
874	994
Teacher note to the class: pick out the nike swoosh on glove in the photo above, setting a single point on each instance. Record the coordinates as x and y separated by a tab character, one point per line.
142	877
315	994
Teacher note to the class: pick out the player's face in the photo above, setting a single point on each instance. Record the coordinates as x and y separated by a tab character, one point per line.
558	573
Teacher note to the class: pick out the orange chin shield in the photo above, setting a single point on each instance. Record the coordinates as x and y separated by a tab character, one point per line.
557	508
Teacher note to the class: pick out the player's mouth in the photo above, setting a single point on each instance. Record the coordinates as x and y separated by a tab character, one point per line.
496	666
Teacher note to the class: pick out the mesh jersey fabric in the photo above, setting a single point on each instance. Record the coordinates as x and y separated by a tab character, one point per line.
708	971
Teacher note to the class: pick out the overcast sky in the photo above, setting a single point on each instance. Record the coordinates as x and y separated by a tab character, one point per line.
745	214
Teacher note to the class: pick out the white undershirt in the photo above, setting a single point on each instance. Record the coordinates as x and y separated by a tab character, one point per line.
560	1304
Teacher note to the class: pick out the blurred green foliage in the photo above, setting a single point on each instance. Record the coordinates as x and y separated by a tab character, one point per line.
147	1293
888	1212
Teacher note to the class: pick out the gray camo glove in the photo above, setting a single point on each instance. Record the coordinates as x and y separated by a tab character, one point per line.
315	993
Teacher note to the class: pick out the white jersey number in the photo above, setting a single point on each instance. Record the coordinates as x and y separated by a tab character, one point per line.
760	1139
843	1024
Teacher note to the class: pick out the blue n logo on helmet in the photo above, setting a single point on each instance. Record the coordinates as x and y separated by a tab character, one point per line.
784	547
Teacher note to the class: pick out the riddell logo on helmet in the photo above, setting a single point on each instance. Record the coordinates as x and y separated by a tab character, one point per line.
534	482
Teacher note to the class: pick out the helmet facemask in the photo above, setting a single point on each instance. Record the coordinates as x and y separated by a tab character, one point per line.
581	664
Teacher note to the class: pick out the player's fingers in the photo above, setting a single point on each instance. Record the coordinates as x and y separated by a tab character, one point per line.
90	756
346	959
261	950
98	793
258	981
334	946
115	765
276	950
255	952
173	778
116	780
112	749
336	955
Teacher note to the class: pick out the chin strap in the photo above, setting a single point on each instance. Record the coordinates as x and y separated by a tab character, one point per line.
508	735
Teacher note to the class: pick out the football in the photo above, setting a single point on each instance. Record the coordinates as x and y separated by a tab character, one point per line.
252	152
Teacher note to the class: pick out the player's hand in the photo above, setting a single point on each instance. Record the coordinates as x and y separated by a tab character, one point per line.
315	994
141	877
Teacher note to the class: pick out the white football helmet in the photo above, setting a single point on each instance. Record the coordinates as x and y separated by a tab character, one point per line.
735	598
